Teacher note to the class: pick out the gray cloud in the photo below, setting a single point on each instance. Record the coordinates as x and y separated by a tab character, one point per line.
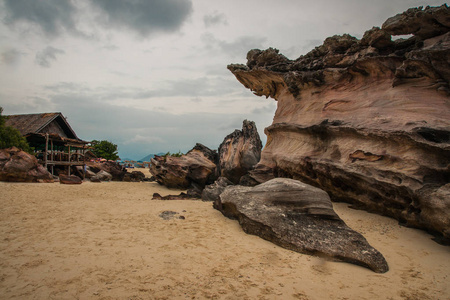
144	16
267	109
11	56
47	55
194	88
51	16
54	17
139	132
215	18
110	47
237	48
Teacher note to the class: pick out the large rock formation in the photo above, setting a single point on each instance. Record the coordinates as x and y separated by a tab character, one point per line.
367	120
19	166
197	167
115	169
298	217
239	152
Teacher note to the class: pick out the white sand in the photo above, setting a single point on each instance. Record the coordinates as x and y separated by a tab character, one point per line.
107	241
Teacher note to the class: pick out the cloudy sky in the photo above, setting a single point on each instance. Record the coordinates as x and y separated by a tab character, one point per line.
150	75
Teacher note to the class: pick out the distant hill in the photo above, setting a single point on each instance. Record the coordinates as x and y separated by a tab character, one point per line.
150	156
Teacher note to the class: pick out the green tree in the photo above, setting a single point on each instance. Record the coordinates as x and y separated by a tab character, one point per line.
11	137
105	149
179	154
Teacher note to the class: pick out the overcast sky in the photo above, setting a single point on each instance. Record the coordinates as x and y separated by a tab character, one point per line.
150	75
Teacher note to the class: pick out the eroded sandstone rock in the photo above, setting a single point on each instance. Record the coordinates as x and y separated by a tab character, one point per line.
368	121
239	152
19	166
198	167
298	217
423	23
115	169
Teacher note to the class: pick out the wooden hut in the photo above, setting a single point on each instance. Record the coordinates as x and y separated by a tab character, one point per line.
54	141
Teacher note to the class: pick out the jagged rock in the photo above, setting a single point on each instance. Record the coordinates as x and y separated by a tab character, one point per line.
195	191
377	38
198	166
259	174
19	166
134	176
102	176
298	217
424	23
213	191
367	121
69	179
239	152
115	169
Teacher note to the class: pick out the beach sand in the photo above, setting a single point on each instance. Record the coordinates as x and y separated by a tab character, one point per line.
107	241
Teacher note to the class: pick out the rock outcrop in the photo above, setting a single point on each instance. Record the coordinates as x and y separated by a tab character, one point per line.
197	167
134	176
298	217
18	166
101	176
212	192
115	169
239	152
366	120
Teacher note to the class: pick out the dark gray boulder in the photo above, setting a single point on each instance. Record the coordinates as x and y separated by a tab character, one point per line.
298	217
213	191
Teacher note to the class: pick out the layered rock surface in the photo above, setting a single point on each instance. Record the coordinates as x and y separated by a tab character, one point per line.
113	168
19	166
239	152
298	217
366	120
197	167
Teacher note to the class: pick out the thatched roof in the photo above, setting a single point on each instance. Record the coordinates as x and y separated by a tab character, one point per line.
37	138
35	123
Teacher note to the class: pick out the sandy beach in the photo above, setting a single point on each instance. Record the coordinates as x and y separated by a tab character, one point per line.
108	241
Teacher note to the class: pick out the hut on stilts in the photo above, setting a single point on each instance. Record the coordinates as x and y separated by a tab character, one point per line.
55	143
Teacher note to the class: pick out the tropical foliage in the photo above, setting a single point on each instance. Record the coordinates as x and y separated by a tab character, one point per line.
11	137
105	149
